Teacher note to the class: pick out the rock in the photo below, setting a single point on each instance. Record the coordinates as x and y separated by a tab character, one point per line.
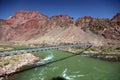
84	21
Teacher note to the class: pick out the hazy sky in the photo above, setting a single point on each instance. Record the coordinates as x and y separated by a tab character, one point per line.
74	8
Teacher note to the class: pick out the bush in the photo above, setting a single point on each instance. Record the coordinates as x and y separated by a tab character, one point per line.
118	48
107	50
6	62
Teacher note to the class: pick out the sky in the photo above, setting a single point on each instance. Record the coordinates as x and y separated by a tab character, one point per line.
73	8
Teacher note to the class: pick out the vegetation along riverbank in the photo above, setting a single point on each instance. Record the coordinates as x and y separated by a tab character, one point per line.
106	53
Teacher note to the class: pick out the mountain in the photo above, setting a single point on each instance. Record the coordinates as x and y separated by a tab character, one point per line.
24	25
34	28
101	26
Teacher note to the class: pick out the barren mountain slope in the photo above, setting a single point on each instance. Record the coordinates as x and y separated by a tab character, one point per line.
32	27
72	34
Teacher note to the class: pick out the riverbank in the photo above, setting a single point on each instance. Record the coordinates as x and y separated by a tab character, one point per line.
108	54
11	64
71	68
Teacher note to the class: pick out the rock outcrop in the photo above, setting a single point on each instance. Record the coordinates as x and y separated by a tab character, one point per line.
116	19
62	21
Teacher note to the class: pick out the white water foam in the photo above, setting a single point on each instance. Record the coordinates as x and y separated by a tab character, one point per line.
74	76
76	72
46	59
65	75
49	57
70	77
41	76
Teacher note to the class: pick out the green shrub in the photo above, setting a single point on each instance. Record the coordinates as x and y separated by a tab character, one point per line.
6	62
107	50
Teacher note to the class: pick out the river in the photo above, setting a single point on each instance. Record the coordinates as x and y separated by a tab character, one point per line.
79	67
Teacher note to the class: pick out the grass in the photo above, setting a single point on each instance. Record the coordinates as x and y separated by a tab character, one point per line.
92	49
12	47
8	60
98	50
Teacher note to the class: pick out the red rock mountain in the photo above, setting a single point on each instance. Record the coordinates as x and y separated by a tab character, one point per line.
103	27
24	25
34	27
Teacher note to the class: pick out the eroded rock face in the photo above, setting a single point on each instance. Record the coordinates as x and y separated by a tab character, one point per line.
100	26
62	21
84	21
116	19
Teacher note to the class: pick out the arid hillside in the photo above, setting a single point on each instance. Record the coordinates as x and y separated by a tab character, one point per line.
34	28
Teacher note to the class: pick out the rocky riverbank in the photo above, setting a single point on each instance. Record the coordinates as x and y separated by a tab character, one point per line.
11	64
108	54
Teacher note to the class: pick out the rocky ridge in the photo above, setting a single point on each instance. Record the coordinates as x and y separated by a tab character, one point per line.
33	27
103	27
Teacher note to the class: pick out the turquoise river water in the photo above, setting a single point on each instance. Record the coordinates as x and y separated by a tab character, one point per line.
79	67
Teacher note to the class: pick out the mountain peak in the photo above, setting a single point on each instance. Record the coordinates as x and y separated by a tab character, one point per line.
22	16
22	12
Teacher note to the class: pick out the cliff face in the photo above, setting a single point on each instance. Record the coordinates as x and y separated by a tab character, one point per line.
32	25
